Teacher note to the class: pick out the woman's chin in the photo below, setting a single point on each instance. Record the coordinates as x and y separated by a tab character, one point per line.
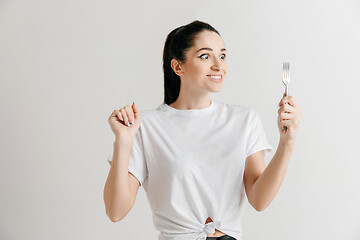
217	89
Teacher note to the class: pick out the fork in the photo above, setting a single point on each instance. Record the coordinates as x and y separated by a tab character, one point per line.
286	79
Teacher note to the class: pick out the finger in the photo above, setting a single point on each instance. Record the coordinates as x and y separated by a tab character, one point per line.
288	100
287	108
135	110
118	114
113	114
284	122
291	101
124	115
130	114
286	116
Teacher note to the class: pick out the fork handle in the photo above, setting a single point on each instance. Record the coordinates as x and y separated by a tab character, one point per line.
286	93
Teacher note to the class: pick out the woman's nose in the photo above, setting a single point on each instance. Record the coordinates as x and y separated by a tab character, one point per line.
216	66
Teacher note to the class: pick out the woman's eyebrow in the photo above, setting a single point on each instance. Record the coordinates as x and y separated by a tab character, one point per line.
210	49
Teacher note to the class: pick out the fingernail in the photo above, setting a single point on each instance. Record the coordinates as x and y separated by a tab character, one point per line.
128	124
132	122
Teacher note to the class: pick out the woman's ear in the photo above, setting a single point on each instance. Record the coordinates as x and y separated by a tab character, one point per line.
176	66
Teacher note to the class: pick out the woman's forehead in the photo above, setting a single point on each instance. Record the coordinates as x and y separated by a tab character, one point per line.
208	39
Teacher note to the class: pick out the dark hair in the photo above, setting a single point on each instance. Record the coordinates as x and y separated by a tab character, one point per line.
178	41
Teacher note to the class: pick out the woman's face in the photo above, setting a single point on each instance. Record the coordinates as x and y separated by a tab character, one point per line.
204	61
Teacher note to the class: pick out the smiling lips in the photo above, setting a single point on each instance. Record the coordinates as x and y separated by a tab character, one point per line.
216	78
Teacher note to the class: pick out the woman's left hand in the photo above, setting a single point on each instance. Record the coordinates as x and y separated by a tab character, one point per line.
289	115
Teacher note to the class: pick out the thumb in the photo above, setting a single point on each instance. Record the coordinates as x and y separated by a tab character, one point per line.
135	110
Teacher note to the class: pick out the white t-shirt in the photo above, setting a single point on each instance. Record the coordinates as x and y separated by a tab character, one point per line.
191	165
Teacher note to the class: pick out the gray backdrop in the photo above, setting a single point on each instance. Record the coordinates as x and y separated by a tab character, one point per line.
66	65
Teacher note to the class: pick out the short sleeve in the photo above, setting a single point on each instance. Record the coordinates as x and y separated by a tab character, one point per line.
137	162
258	140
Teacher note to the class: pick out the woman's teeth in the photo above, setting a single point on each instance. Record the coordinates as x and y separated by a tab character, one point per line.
216	77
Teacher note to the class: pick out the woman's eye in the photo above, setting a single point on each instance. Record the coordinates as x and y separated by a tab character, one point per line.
201	56
207	56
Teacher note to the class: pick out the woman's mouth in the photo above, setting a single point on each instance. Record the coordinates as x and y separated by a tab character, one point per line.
216	78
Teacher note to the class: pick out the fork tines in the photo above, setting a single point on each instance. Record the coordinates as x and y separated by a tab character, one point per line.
286	69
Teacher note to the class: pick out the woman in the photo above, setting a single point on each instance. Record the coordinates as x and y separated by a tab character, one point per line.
197	159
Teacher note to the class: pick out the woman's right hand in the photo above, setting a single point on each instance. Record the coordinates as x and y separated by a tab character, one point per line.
125	122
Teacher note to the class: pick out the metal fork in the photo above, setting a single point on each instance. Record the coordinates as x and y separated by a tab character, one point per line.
286	79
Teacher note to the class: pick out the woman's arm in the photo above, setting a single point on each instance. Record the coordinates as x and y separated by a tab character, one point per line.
263	190
117	196
263	183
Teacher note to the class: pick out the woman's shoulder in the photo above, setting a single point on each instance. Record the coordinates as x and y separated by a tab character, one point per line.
150	113
146	113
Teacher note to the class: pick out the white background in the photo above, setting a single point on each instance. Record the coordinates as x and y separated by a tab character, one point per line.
66	65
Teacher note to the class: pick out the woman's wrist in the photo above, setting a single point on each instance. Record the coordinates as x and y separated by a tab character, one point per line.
288	143
124	141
